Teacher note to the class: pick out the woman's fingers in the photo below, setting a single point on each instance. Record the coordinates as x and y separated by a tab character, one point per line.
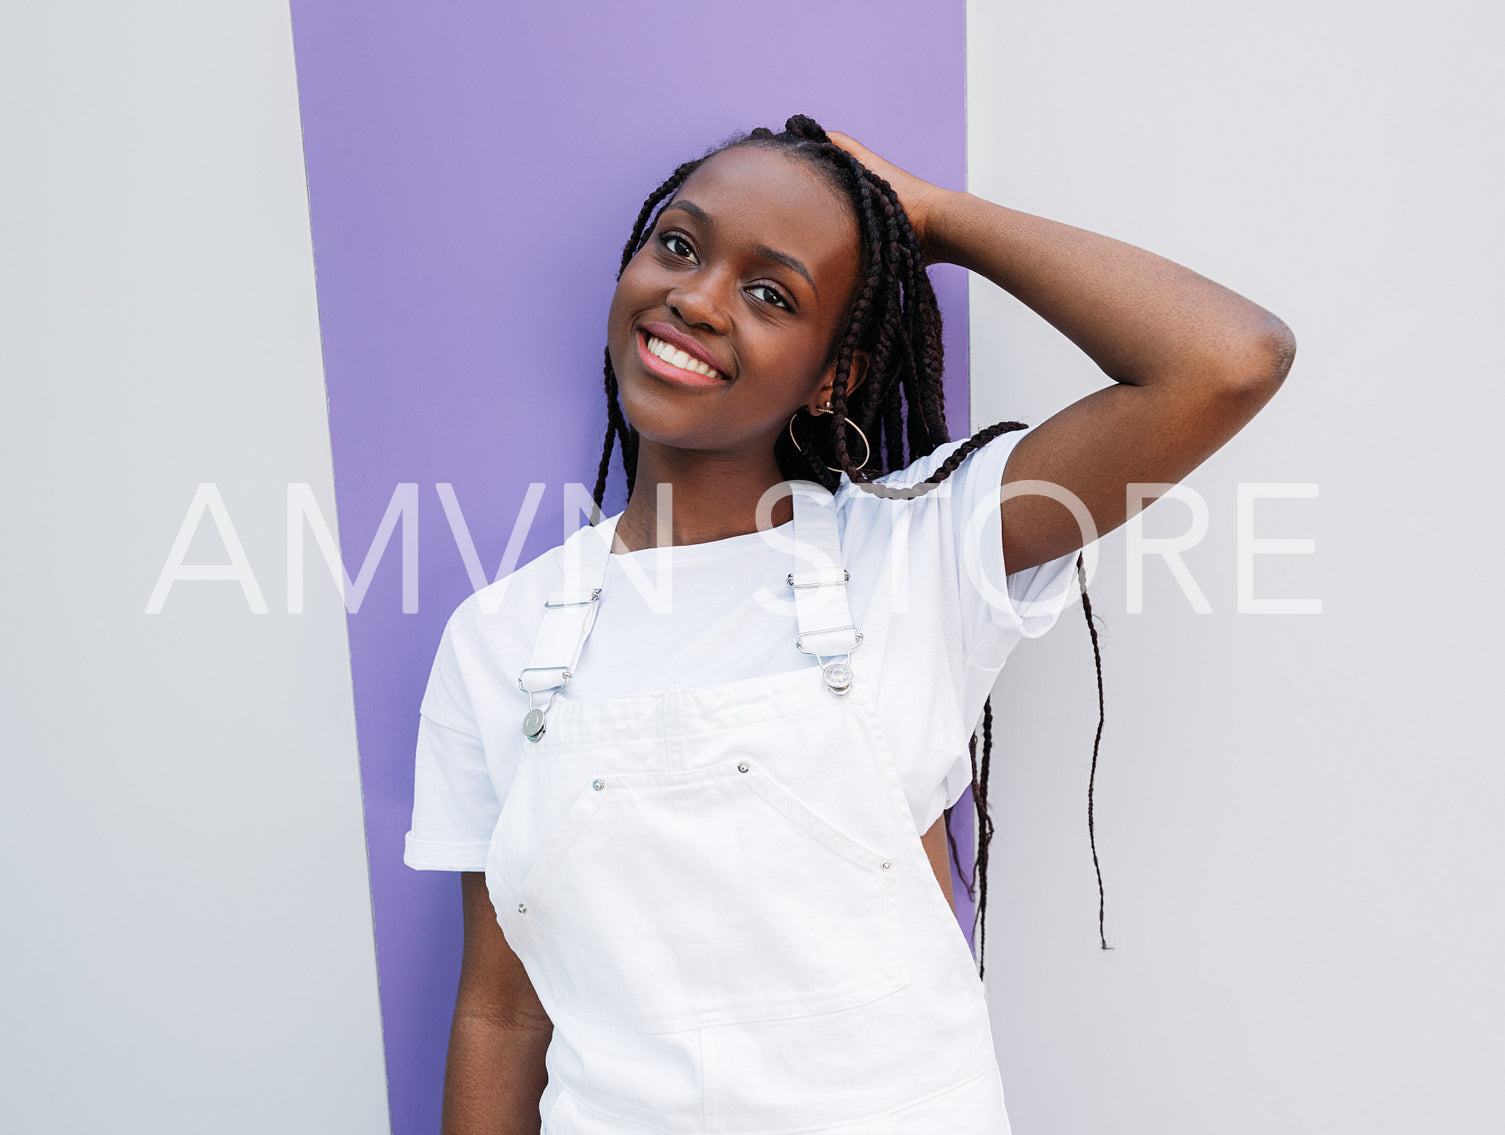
915	194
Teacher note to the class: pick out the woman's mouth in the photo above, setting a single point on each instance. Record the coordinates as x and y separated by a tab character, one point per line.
670	363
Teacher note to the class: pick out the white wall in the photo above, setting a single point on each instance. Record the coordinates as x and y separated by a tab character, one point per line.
1299	816
186	935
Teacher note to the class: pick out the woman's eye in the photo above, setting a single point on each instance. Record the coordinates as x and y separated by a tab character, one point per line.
768	295
678	245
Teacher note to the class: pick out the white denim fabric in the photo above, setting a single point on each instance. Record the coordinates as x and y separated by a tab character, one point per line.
723	902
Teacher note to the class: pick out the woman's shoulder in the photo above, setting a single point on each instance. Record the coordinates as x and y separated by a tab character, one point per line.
517	597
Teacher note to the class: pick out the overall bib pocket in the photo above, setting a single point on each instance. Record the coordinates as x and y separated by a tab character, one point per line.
670	901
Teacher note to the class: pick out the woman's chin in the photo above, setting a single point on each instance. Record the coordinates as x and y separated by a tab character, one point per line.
668	419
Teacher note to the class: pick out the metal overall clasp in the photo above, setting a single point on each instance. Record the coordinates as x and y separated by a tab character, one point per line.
535	721
838	671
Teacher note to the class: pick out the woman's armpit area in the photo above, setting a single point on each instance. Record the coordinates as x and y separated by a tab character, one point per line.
938	850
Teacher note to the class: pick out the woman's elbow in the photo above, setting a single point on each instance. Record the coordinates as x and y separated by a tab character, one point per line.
1279	346
1262	361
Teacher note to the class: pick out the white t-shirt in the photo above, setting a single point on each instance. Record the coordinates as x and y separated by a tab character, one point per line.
926	591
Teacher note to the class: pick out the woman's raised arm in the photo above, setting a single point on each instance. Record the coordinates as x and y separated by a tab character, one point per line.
1192	362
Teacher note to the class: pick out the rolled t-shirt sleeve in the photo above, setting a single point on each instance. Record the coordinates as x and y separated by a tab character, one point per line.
455	803
1004	605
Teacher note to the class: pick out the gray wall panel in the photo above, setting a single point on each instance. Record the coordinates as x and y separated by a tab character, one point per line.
187	930
1297	814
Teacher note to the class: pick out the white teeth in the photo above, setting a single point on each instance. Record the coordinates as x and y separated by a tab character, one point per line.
675	357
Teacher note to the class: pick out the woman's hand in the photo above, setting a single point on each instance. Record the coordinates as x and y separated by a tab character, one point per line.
919	197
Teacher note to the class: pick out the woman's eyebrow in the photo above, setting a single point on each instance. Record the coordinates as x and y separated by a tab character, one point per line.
693	209
787	261
762	251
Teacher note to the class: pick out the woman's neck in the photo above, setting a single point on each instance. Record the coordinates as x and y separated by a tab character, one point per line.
684	498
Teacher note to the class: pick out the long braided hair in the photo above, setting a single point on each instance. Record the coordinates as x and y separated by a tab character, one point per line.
896	320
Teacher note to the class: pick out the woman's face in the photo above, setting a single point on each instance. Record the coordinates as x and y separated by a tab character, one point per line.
750	272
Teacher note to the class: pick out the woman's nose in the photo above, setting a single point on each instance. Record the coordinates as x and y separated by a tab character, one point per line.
699	304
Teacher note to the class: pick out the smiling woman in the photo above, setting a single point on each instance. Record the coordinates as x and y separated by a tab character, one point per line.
701	835
738	250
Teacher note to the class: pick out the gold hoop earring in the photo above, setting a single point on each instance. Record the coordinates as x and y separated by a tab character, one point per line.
867	450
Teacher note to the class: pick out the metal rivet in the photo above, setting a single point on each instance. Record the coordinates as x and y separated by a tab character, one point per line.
887	864
742	766
838	677
534	723
598	784
522	908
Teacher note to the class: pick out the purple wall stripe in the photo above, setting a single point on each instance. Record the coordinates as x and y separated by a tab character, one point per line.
474	170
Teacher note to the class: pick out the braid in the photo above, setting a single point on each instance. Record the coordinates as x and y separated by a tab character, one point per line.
946	467
893	433
616	426
984	836
616	421
658	196
1097	657
900	406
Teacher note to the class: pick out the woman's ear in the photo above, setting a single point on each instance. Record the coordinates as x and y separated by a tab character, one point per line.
855	377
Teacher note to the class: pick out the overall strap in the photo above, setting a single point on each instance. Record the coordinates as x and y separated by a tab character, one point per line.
819	582
569	613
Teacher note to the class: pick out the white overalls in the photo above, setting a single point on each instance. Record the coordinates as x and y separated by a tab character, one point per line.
721	898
